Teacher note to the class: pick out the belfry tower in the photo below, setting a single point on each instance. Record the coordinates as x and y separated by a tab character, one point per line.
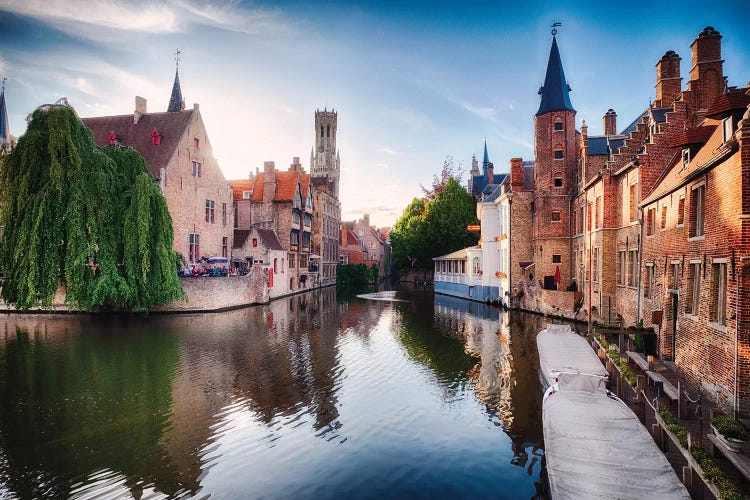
555	155
324	158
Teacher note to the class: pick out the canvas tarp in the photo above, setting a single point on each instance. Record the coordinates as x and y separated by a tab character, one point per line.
596	448
563	351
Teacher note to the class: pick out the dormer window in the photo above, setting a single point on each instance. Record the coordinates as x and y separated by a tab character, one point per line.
196	143
558	124
155	137
112	139
246	195
685	157
726	127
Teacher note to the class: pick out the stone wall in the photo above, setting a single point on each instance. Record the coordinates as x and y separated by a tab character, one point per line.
549	302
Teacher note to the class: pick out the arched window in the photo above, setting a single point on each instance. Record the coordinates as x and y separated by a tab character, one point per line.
255	242
328	131
321	132
558	152
558	123
275	266
476	267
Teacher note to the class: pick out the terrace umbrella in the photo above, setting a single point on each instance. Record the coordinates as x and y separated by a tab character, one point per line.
218	260
557	275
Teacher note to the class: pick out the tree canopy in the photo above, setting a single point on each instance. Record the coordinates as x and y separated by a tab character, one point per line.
90	219
433	227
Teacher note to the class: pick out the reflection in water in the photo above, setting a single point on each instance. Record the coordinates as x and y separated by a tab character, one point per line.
305	397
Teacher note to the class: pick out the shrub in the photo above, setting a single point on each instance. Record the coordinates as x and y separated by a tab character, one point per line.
730	428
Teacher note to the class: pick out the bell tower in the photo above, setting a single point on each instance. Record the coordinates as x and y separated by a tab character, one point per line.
324	159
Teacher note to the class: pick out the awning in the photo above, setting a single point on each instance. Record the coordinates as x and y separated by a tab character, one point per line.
315	256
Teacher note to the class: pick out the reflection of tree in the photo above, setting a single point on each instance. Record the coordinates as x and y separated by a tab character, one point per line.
99	402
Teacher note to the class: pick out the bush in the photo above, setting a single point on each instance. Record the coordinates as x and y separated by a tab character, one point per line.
730	428
355	275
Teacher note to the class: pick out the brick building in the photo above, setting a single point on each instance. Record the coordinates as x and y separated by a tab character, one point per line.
283	203
351	248
176	148
325	168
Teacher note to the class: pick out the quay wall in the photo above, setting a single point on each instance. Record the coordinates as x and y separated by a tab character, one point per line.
550	302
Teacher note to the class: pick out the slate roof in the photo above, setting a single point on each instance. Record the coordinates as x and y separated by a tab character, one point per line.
528	176
4	128
597	145
240	237
268	238
239	186
171	128
660	114
631	128
556	91
733	99
286	186
176	102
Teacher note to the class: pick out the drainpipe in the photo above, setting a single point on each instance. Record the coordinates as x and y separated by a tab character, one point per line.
640	262
510	247
570	243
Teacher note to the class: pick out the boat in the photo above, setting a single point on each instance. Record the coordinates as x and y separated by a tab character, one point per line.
561	350
595	446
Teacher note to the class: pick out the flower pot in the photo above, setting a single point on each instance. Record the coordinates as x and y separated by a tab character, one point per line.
734	445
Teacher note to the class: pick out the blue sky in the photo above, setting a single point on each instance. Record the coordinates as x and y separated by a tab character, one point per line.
413	81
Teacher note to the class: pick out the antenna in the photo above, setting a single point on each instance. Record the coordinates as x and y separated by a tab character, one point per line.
555	24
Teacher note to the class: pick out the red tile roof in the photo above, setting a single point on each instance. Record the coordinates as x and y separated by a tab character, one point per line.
286	186
239	186
305	179
733	99
698	135
171	127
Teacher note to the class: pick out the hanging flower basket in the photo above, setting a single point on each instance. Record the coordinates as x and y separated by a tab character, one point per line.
501	275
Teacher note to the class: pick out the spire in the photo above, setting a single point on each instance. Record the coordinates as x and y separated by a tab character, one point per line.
486	159
4	129
555	92
176	102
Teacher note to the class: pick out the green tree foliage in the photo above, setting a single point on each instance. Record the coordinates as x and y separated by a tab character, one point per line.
434	227
355	275
92	220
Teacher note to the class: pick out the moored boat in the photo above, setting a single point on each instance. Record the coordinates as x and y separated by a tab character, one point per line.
563	351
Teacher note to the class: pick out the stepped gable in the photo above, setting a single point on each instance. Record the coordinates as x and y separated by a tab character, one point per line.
170	126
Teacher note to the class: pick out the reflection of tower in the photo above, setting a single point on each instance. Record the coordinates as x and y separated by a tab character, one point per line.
324	159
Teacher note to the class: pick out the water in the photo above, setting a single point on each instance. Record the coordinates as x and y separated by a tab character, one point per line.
403	396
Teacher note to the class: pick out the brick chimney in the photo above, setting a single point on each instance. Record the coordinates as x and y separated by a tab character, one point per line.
668	80
296	166
610	122
269	181
707	74
516	173
140	108
366	219
490	173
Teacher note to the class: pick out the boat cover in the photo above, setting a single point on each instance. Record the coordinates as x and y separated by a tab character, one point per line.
562	350
596	448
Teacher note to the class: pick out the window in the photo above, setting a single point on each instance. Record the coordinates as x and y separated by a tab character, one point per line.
255	242
293	261
694	289
328	131
719	293
622	266
685	157
234	208
588	217
663	216
295	217
303	261
558	181
726	127
223	214
675	276
558	124
197	143
294	238
246	195
210	211
632	267
555	216
632	201
596	212
322	132
475	266
306	240
196	169
283	265
556	259
558	152
648	285
308	220
195	249
696	211
275	265
595	265
650	221
224	245
681	211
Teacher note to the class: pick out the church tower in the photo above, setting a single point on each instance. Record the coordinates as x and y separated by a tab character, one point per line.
555	155
324	159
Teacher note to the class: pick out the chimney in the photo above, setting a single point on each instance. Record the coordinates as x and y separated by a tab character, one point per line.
707	74
140	108
668	80
610	122
269	181
196	106
490	173
516	173
366	219
296	166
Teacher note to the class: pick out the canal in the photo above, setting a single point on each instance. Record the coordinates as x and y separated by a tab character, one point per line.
399	395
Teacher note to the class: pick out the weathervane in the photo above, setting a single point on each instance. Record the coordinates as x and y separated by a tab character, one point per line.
555	24
177	58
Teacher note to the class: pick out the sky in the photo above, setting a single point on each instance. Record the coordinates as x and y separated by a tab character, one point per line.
413	82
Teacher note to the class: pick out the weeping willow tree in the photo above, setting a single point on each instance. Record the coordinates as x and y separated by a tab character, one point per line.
92	220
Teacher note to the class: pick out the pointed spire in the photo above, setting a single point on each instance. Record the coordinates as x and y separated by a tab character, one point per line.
4	128
176	102
555	92
486	159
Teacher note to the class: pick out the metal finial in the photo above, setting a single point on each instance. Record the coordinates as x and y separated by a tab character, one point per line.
177	58
5	79
555	24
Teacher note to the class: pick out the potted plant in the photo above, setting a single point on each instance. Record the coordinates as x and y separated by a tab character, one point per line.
730	432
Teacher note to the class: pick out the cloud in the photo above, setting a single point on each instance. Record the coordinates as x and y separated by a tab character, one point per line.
484	112
387	151
106	20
